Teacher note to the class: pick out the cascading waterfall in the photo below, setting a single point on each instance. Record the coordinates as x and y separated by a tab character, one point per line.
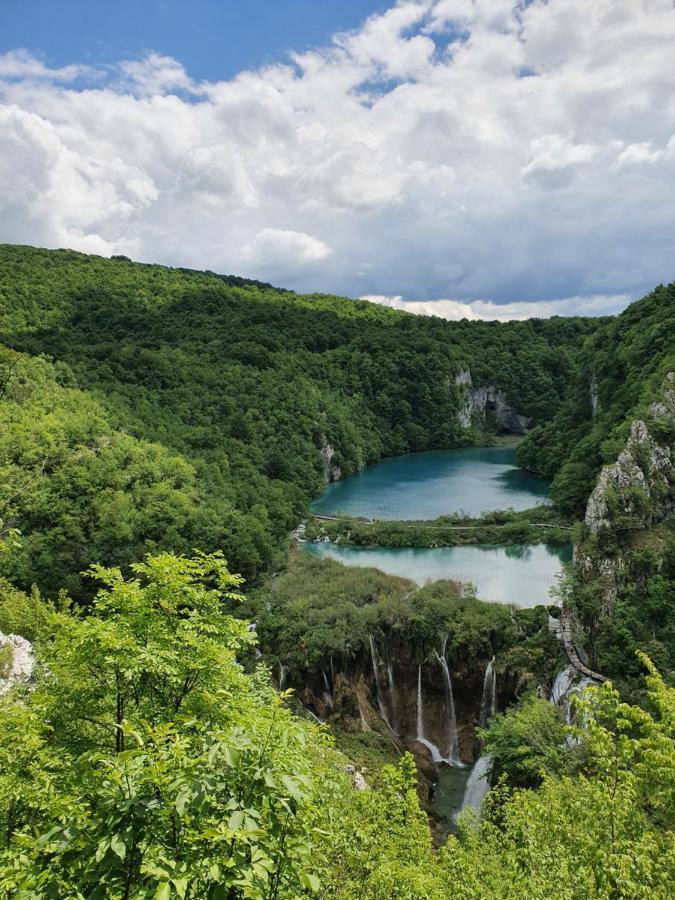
378	691
488	705
562	684
327	692
436	754
567	684
393	696
420	711
453	742
477	786
283	672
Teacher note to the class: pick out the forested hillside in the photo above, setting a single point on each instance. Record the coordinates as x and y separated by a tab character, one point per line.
157	422
619	374
147	408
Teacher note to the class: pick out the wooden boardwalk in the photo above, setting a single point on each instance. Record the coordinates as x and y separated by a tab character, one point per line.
422	524
566	635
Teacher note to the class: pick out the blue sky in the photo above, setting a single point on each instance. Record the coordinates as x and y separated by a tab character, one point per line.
214	39
386	150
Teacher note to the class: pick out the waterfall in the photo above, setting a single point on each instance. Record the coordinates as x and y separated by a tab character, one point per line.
393	696
436	755
453	743
566	685
488	705
378	692
477	786
283	672
327	693
420	711
562	684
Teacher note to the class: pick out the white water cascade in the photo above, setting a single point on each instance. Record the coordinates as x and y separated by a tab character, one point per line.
477	786
393	696
562	684
327	692
566	685
488	706
378	691
436	755
283	673
453	742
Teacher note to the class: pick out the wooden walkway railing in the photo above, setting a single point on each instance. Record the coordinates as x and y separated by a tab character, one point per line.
566	634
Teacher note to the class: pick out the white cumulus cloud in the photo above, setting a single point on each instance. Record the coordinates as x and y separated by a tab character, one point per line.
501	154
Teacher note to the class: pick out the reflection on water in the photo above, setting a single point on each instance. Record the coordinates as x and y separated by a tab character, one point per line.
439	482
523	575
519	551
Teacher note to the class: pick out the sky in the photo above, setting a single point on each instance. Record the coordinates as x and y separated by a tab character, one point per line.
464	158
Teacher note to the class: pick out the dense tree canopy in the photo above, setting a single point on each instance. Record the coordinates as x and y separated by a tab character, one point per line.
154	408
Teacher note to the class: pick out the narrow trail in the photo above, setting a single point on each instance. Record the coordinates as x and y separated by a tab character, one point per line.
566	630
413	524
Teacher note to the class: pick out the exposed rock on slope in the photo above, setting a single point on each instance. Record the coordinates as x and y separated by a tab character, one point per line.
633	491
18	669
486	405
631	496
331	471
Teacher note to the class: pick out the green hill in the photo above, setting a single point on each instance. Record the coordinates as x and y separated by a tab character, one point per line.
149	408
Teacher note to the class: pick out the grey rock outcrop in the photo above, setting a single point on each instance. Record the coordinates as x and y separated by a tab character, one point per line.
632	494
19	668
331	471
635	487
484	402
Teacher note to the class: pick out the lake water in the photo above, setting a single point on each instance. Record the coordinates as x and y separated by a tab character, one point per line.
435	483
520	574
427	485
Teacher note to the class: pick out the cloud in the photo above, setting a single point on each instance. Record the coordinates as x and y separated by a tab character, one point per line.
485	310
279	251
156	74
520	152
20	64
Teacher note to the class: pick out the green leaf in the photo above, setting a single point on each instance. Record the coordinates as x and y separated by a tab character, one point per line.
118	846
309	881
236	820
181	885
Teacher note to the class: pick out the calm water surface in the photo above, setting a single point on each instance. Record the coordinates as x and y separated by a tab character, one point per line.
520	574
427	485
435	483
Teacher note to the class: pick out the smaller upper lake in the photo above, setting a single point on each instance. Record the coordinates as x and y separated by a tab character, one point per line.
435	483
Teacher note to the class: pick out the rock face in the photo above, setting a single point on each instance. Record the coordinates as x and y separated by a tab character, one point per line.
633	492
381	689
631	495
331	471
484	403
18	669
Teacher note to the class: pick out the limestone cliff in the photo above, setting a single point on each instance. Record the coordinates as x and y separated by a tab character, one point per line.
631	496
16	661
331	471
486	406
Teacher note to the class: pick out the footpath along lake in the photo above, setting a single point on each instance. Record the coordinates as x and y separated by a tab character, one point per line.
440	482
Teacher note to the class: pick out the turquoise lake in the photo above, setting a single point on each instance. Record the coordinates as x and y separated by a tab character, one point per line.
427	485
520	574
431	484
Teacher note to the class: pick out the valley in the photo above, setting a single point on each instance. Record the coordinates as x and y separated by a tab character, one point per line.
187	462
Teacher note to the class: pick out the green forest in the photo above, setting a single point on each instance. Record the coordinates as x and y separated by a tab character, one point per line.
162	432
